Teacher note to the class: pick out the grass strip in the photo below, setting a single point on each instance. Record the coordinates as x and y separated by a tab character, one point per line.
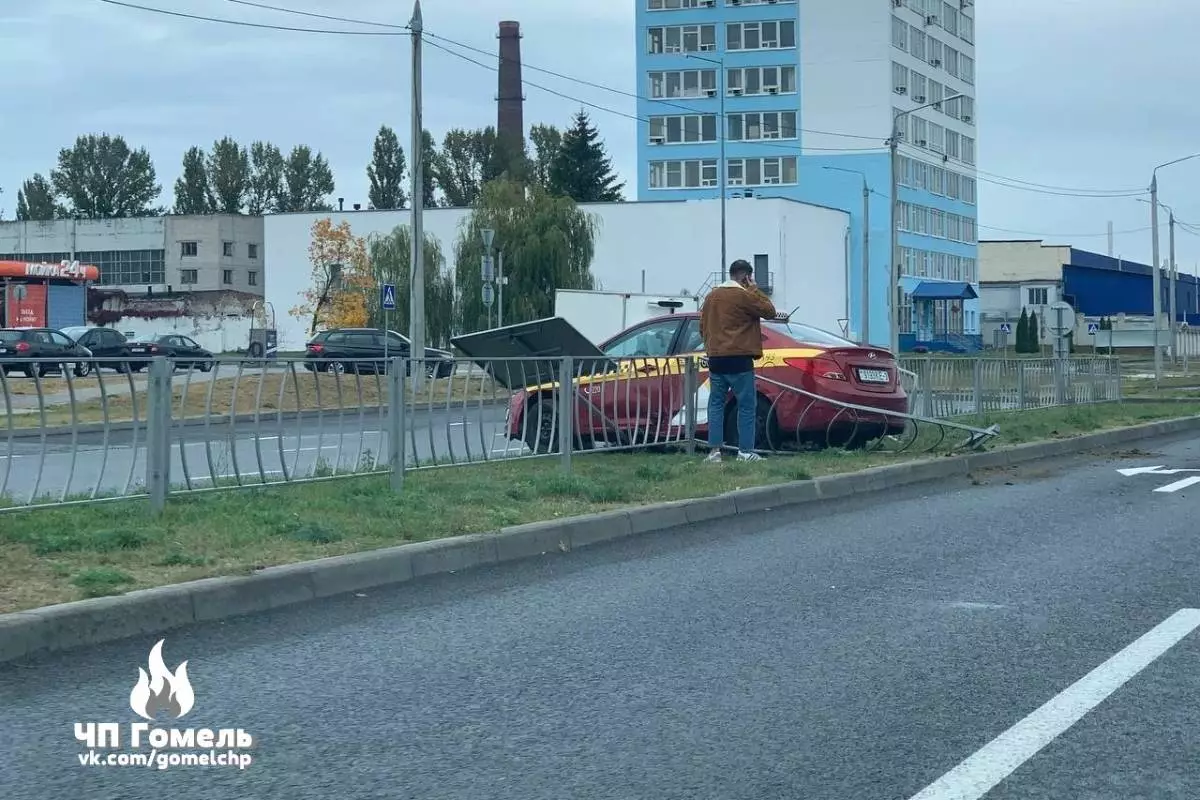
56	554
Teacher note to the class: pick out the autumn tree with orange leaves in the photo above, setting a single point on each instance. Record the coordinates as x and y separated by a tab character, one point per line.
341	279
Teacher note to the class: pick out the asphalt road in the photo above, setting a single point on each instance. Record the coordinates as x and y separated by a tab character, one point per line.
857	651
198	454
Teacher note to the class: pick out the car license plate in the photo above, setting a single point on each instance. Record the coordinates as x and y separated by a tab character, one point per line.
873	375
137	349
3	349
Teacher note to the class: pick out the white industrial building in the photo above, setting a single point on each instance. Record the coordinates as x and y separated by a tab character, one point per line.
668	248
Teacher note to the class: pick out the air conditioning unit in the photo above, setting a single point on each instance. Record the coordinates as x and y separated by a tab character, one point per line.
901	90
708	46
931	19
735	91
710	92
918	98
771	181
771	135
771	89
737	182
921	142
966	117
935	62
657	139
709	182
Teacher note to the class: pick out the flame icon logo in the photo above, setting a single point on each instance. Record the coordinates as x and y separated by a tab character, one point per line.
161	690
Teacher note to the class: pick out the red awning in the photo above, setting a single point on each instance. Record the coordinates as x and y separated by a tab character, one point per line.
68	270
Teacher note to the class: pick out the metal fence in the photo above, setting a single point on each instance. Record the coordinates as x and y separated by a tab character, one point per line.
952	387
95	431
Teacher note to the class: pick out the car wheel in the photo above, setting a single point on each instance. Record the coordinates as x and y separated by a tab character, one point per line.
46	369
83	369
31	370
445	369
766	425
335	367
206	366
541	426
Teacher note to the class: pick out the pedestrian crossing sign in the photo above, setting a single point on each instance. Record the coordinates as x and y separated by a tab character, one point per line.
1005	327
1092	328
389	297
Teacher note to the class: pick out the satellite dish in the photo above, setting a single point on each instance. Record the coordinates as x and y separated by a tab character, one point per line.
1059	318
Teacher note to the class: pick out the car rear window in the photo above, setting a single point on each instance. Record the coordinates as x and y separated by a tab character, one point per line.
11	336
809	334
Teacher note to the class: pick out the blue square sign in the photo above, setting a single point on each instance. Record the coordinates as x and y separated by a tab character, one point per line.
388	292
1005	327
1092	328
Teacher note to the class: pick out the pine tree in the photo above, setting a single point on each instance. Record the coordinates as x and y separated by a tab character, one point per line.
582	170
1035	333
1022	338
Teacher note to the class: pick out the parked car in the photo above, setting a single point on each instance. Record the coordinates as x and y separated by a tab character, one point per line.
644	399
104	344
362	350
21	349
184	351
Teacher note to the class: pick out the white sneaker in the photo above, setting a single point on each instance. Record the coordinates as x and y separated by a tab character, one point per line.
749	457
713	458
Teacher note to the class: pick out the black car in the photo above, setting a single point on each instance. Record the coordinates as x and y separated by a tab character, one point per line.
21	347
340	349
106	344
185	352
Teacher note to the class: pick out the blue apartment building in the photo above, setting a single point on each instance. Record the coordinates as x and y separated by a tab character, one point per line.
810	92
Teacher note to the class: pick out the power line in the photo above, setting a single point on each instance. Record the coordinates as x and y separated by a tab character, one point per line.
244	24
314	15
1062	235
563	95
981	177
1064	188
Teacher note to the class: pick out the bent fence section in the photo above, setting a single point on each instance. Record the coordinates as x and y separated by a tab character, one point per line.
96	431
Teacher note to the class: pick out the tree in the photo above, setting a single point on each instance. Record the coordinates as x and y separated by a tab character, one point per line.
547	141
35	199
101	177
228	169
582	169
464	164
341	279
390	258
429	156
307	181
1035	334
266	178
386	171
548	244
191	188
1022	338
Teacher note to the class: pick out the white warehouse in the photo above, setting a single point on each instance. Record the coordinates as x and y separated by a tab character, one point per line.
668	248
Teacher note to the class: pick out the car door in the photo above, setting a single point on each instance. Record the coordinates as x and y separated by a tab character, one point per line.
637	398
689	344
198	355
365	347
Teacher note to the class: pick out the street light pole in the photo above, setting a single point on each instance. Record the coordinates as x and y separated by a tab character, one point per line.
1157	280
866	253
416	317
723	169
1171	260
894	267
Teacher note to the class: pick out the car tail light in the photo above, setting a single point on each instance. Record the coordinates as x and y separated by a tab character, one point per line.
22	347
315	348
819	367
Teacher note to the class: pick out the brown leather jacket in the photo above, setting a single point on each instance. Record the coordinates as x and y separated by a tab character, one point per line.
729	320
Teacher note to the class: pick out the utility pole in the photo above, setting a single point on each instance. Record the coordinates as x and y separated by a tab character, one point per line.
1171	259
894	248
866	264
416	295
721	135
1155	280
500	281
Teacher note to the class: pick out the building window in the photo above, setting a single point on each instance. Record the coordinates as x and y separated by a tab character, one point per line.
761	80
189	249
966	28
682	39
227	249
775	35
675	5
933	51
252	278
950	60
917	86
937	92
941	266
683	83
925	221
755	2
966	69
771	171
1039	297
227	277
899	34
968	150
756	125
188	277
252	251
950	18
689	129
899	78
916	42
691	174
117	267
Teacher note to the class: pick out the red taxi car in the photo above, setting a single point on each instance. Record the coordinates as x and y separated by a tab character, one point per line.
643	401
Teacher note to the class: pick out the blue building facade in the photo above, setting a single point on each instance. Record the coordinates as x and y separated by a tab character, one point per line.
1102	286
804	96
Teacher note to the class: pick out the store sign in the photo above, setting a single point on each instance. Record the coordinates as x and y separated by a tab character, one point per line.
72	270
27	308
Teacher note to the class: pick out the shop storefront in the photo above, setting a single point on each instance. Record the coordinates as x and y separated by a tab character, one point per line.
45	295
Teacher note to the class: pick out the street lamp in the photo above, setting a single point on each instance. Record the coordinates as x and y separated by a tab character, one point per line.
866	259
721	138
1173	279
894	272
1156	282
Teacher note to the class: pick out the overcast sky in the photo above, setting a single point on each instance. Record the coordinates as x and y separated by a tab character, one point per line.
1080	94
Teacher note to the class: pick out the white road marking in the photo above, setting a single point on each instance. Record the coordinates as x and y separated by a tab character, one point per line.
1153	471
982	771
1181	484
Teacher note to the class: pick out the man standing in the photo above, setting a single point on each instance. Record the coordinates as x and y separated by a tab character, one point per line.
729	325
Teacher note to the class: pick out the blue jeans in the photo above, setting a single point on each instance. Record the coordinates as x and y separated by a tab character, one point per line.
742	384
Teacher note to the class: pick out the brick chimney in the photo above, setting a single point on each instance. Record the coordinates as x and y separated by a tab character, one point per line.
510	101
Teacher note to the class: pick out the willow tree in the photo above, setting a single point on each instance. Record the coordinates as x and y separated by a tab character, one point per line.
548	244
390	258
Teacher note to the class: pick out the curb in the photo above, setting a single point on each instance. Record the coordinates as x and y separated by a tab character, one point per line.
153	611
199	422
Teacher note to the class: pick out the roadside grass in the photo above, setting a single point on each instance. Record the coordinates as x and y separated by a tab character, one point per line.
221	397
56	554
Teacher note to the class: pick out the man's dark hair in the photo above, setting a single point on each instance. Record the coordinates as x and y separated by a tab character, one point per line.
740	267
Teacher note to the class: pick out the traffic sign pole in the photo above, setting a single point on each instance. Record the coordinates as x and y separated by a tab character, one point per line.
387	299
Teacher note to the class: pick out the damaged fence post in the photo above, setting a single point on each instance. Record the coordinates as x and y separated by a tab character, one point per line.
397	405
566	411
158	434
